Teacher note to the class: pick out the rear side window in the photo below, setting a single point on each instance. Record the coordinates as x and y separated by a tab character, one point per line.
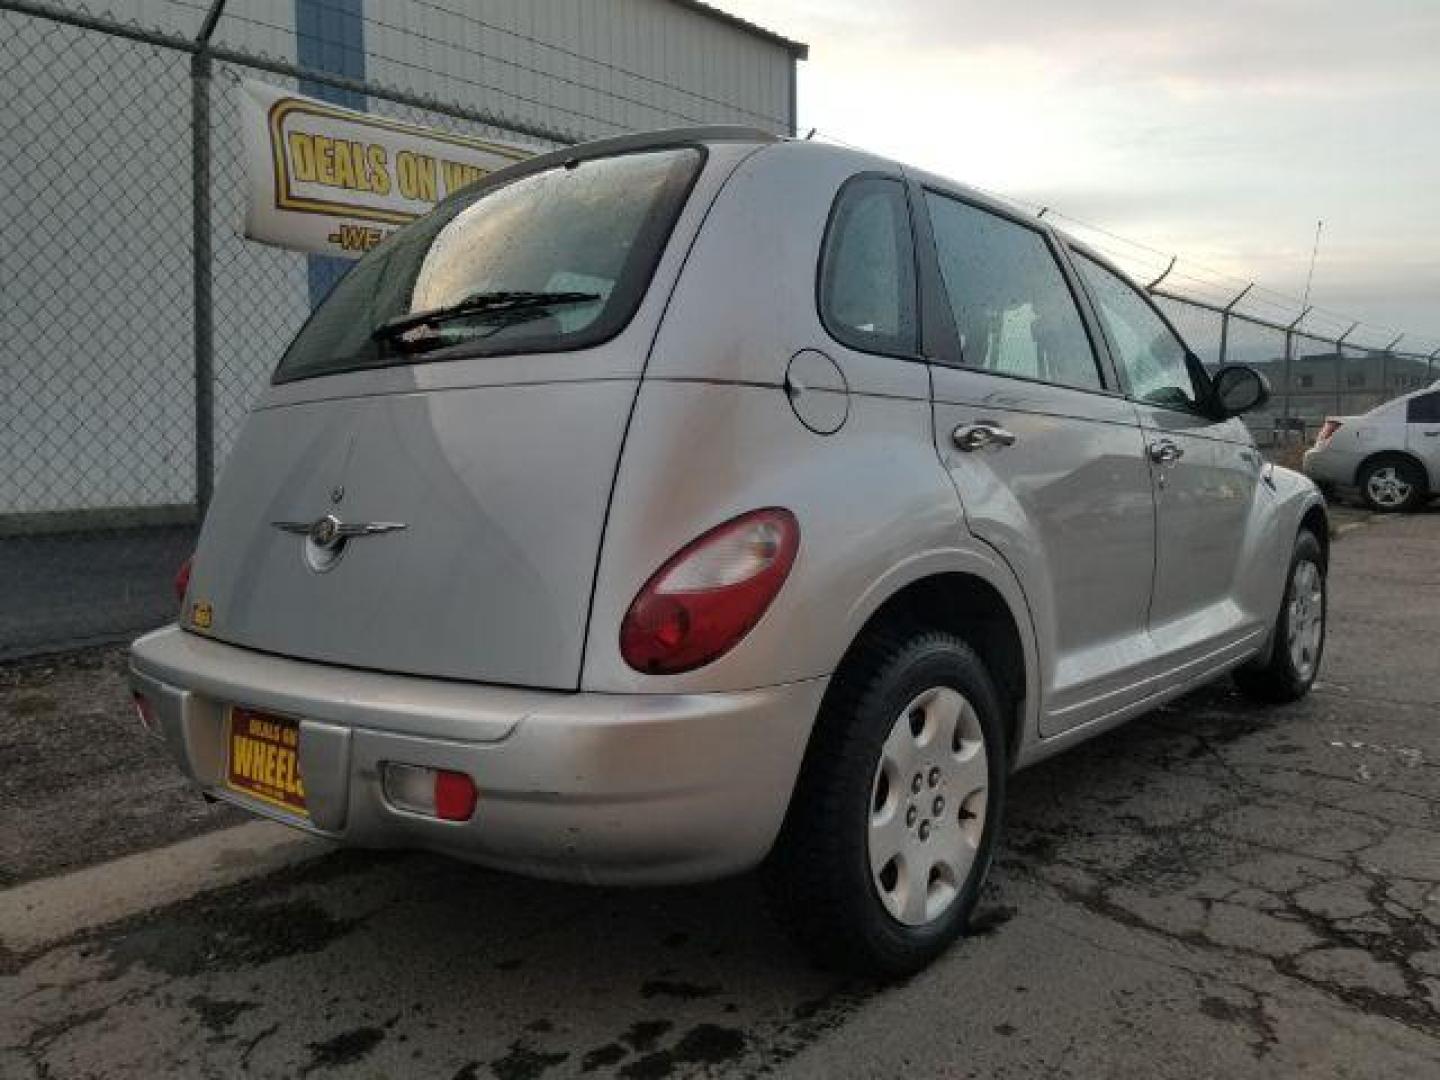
1424	409
867	268
592	229
1013	308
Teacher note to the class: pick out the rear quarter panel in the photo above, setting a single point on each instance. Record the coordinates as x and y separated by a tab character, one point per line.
873	516
1377	431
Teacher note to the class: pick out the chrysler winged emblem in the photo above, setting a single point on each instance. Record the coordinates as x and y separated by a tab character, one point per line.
329	532
326	536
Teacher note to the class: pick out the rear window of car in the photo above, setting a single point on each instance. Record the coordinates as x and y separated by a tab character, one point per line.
591	230
1424	409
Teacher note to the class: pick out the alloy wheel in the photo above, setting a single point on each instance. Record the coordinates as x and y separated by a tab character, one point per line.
1387	487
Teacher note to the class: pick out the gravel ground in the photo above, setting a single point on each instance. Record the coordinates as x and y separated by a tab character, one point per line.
82	783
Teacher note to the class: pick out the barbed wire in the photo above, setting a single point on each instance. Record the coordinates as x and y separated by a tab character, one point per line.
1207	282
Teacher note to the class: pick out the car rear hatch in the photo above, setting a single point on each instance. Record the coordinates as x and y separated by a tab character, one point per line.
431	499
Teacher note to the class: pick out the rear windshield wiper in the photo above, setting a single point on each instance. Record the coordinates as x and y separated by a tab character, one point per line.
480	303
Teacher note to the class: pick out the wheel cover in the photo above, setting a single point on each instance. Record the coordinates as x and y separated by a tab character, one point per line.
1305	624
927	806
1387	487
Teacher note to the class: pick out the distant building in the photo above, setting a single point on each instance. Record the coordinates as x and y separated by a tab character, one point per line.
1353	381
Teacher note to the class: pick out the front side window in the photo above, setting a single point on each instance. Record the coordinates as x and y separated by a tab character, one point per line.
867	268
555	260
1154	362
1013	309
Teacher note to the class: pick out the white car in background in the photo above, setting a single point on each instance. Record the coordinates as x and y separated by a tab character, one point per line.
1391	454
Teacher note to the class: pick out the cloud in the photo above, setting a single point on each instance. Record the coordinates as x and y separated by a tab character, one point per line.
1222	129
1284	47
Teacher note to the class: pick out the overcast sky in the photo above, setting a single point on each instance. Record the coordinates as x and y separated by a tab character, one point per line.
1221	129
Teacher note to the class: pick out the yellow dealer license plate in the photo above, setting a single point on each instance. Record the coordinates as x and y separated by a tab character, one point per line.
263	758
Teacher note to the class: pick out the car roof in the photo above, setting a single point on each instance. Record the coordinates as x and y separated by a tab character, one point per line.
863	160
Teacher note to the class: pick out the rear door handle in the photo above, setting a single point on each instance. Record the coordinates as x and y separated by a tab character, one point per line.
1165	452
981	435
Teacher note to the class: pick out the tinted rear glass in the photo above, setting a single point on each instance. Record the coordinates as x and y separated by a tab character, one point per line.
595	226
1424	409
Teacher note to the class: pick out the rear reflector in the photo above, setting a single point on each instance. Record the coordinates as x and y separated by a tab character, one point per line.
182	579
1327	429
437	793
454	796
146	713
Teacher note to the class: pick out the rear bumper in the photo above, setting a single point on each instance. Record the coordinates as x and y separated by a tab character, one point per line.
623	789
1325	465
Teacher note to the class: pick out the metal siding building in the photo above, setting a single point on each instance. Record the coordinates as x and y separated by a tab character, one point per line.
591	67
97	398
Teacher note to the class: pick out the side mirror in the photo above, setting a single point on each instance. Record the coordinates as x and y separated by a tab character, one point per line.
1240	389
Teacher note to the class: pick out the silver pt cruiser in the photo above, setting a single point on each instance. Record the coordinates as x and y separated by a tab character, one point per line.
674	505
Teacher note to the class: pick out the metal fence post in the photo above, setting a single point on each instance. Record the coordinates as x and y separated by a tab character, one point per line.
1285	376
1288	370
1225	322
202	269
1340	366
1385	358
1163	274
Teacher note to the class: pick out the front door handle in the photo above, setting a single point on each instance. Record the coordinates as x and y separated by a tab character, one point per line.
981	435
1165	452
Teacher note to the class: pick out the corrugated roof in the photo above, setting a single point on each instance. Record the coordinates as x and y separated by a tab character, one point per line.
797	49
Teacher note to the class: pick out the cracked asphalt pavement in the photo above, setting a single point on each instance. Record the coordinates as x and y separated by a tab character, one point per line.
1214	890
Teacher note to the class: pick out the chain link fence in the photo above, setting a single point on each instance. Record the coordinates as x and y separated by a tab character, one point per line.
97	403
138	325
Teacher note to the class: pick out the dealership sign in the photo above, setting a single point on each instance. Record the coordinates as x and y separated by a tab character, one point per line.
336	182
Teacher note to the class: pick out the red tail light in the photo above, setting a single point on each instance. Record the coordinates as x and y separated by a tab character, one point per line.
182	579
1326	430
710	594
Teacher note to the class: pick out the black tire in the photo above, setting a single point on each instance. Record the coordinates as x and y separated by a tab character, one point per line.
1275	678
818	877
1409	477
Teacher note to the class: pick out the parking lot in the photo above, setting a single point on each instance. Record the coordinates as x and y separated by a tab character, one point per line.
1215	889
